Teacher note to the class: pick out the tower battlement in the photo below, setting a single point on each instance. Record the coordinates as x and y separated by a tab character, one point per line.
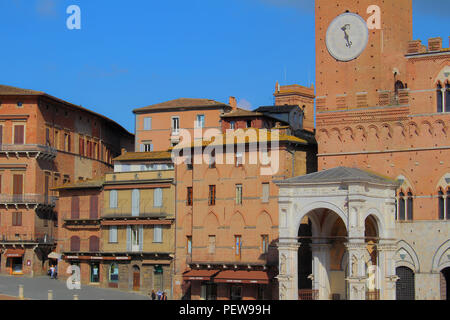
434	45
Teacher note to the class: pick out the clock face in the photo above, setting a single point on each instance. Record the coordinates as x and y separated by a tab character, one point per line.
347	37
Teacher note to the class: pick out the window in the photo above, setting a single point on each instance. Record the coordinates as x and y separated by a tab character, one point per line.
47	137
200	123
148	123
447	97
189	196
401	206
81	146
157	198
239	159
264	243
17	219
1	135
212	196
135	203
93	207
157	234
444	205
189	244
440	98
249	123
239	194
114	273
20	104
94	244
212	244
147	146
113	199
265	192
75	208
112	234
175	125
410	206
212	159
75	244
232	125
448	204
237	246
95	272
66	142
135	238
57	139
19	134
189	163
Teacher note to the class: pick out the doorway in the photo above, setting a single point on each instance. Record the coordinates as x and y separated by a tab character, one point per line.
95	273
136	278
405	286
445	284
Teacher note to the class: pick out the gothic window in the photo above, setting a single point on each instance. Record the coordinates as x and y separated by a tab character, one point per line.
441	205
447	97
401	206
440	98
410	205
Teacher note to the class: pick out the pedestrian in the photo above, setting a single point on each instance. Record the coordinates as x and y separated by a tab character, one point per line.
52	272
164	296
159	294
56	272
153	295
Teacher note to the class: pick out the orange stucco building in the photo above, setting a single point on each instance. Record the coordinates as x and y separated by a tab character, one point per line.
45	142
158	127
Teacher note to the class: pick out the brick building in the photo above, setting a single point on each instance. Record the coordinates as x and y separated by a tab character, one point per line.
227	210
383	103
45	142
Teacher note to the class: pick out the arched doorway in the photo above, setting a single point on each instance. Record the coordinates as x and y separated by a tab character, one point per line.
445	284
371	239
136	278
304	259
405	286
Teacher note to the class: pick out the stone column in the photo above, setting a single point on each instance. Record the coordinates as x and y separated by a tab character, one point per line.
288	269
386	265
356	277
321	269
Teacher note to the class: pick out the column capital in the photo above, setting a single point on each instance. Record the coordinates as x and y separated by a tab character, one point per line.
355	245
288	244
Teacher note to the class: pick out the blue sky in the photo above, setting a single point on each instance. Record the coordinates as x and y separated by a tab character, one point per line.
130	54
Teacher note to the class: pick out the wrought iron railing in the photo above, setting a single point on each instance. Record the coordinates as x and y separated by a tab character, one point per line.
28	198
308	294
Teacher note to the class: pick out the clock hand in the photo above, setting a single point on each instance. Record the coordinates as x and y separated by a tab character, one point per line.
346	36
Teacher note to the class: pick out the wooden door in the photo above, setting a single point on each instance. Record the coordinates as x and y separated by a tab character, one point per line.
136	279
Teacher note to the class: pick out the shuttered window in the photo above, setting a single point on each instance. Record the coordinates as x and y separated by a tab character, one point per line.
93	213
75	208
19	133
17	219
189	196
212	195
1	135
17	184
157	233
147	123
74	244
212	244
157	198
239	194
441	205
410	206
94	244
81	146
135	195
113	234
113	199
265	192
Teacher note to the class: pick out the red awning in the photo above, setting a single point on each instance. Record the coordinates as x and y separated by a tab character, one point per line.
241	276
199	274
14	253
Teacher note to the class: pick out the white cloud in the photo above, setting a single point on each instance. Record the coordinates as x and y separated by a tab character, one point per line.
244	104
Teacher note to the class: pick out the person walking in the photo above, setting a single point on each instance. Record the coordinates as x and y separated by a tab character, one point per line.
55	275
153	295
52	272
159	294
164	296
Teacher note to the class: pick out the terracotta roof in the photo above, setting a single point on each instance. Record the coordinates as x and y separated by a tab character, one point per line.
278	109
81	184
14	91
226	138
242	113
182	103
135	156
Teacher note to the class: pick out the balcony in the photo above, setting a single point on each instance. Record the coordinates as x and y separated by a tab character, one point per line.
308	294
27	238
82	218
35	151
29	200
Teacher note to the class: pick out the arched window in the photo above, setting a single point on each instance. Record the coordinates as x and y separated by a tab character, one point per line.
401	206
94	244
75	244
114	273
447	97
440	98
410	206
448	204
441	205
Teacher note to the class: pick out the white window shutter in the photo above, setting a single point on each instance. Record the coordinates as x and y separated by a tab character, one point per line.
142	148
157	198
157	233
141	238
135	203
113	199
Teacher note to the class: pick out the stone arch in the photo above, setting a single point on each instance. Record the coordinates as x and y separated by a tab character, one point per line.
264	218
439	128
211	218
319	205
404	248
379	221
337	132
348	133
361	132
387	130
426	127
437	262
442	182
237	219
406	185
375	129
413	129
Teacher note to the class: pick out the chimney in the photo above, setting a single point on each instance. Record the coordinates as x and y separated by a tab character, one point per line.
233	103
123	151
